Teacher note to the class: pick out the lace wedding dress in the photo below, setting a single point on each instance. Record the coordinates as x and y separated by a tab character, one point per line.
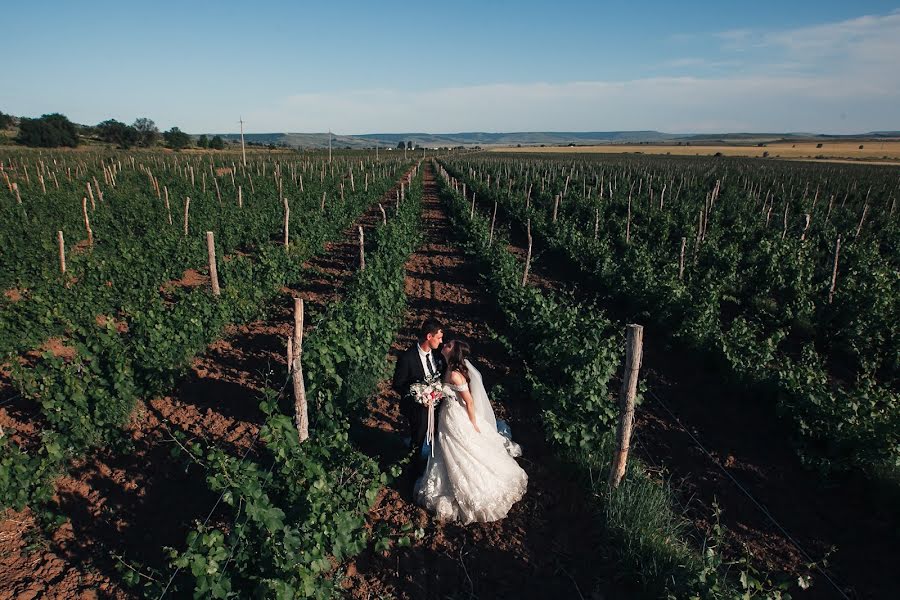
472	476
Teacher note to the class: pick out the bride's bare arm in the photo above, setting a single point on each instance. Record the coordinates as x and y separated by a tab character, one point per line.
458	380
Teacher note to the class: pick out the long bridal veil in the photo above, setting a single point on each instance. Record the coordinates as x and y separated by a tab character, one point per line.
486	412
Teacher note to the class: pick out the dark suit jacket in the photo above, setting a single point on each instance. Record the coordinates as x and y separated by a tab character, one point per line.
408	371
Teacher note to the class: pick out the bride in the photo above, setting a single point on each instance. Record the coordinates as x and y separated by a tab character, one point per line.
471	474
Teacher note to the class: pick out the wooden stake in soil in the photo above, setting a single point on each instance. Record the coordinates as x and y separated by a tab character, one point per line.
62	251
287	215
18	196
493	220
681	259
301	414
168	208
472	210
528	255
213	272
362	250
837	251
383	214
555	207
87	221
187	207
240	197
633	352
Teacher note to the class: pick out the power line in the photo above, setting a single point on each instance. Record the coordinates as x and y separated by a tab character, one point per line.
758	504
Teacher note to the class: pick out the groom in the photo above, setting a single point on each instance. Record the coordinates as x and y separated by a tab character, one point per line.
420	361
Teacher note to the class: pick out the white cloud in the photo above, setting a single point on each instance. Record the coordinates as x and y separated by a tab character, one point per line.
838	77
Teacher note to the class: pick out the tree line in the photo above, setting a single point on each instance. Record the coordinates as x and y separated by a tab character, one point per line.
56	130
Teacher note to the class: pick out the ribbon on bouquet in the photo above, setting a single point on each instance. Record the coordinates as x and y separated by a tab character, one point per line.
429	432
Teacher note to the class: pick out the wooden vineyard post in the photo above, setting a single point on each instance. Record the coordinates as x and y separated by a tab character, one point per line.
472	210
62	251
362	250
168	208
323	201
91	195
187	207
383	214
681	259
287	215
87	221
493	220
240	197
213	272
634	349
295	350
15	187
528	255
807	217
597	224
555	206
837	251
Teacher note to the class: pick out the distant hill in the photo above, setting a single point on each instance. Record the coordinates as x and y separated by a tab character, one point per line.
533	138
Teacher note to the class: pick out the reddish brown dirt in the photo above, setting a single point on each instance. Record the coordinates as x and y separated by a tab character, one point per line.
14	294
191	278
131	504
121	326
749	442
545	546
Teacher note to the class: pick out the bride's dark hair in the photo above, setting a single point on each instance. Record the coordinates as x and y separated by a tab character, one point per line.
456	358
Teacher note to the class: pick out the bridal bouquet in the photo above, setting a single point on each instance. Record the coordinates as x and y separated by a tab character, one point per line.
429	393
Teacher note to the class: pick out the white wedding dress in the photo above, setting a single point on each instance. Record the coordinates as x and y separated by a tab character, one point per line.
471	476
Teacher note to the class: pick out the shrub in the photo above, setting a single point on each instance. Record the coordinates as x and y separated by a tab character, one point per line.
50	131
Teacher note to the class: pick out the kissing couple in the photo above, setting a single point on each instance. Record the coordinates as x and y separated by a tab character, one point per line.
471	474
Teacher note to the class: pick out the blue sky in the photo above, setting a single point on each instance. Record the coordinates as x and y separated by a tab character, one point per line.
362	67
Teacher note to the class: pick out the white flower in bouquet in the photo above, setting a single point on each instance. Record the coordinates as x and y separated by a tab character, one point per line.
428	393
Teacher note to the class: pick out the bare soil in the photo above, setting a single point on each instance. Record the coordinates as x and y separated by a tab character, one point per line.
125	507
546	546
746	440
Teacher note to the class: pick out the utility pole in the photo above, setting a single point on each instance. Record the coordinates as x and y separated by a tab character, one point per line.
243	151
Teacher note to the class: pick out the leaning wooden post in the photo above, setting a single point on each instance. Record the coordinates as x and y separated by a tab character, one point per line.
493	220
383	214
15	187
362	250
528	255
213	272
681	259
187	207
168	208
287	216
634	349
62	251
472	210
301	415
87	221
837	251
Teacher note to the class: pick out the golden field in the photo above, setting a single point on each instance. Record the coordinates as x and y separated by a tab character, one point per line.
872	151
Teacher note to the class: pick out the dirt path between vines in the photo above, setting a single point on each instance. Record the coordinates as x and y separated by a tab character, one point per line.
133	502
747	440
546	546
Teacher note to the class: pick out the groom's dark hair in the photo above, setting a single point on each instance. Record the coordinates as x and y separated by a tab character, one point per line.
429	325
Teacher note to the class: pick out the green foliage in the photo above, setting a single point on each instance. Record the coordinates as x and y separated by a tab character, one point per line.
49	131
176	139
203	141
6	121
148	132
116	132
83	402
571	353
754	295
217	143
300	508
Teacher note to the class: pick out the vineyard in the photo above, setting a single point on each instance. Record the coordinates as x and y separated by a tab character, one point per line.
150	443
